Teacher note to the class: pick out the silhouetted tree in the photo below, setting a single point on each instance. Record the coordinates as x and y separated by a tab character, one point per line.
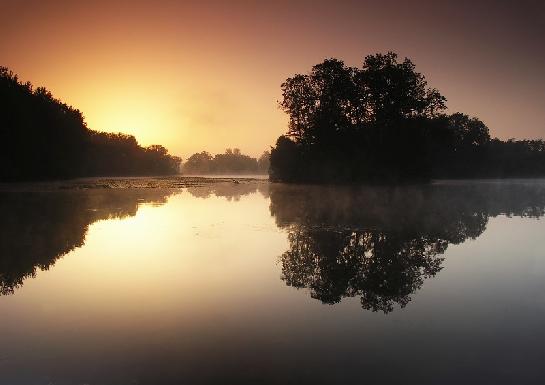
45	138
382	122
391	91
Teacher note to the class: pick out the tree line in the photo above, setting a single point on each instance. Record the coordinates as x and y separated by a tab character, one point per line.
44	138
382	122
232	161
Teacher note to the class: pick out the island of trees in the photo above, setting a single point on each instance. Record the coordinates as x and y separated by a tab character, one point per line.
383	123
44	138
230	162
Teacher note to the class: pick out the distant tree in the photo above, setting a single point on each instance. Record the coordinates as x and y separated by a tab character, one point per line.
200	163
264	162
232	161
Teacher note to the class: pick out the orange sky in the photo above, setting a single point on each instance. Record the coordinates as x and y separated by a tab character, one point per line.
207	74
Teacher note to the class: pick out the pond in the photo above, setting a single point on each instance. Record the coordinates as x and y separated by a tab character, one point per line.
251	282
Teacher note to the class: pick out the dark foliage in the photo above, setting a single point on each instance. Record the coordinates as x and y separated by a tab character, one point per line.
383	123
44	138
230	162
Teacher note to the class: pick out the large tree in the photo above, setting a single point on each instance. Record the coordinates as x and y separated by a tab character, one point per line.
392	90
382	122
334	98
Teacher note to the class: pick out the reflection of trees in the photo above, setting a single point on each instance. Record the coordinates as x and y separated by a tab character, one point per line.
38	228
382	269
380	243
231	189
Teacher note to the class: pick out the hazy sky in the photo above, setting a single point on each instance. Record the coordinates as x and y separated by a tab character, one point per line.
206	74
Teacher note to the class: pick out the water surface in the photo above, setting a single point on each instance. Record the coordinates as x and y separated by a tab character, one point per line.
248	282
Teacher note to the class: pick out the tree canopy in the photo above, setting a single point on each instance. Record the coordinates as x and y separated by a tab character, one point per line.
45	138
382	122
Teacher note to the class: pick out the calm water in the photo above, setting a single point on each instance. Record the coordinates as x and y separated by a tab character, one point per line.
251	283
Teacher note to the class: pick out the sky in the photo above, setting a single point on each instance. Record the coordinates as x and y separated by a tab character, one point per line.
206	75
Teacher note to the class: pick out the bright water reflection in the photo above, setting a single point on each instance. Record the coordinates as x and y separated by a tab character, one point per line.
425	284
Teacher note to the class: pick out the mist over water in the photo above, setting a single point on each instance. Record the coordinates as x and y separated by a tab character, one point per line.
245	281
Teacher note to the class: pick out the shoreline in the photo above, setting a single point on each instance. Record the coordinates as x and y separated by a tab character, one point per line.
123	183
179	182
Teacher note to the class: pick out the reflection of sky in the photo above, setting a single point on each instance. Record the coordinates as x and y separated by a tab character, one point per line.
195	284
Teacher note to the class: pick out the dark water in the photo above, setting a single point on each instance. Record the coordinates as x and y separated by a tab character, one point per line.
257	283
